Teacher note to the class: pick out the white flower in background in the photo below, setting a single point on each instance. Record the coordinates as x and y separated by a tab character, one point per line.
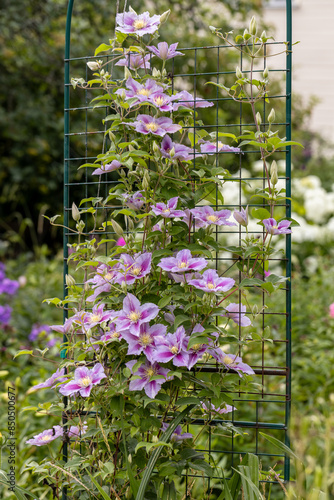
315	205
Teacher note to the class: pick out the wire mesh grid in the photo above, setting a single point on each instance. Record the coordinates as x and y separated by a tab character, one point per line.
265	406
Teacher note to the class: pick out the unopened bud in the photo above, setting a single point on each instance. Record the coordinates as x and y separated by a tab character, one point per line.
252	26
117	228
164	72
122	173
238	72
75	212
130	224
80	226
263	35
112	136
266	73
124	286
164	16
271	116
156	73
130	458
273	173
127	73
155	439
146	180
93	65
258	118
102	72
69	280
123	95
86	287
172	152
255	309
155	147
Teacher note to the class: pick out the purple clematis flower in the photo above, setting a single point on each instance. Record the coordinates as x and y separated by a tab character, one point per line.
108	167
221	409
134	201
65	328
97	316
211	148
103	279
188	101
147	340
147	124
168	210
177	434
141	92
133	268
146	372
196	351
9	286
237	313
142	24
113	334
161	101
231	362
210	282
241	217
181	152
84	380
135	61
134	315
5	315
205	216
164	52
277	228
46	436
182	262
39	331
58	376
173	347
76	431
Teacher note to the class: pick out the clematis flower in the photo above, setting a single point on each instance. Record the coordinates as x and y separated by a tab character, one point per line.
133	315
112	334
241	217
237	313
97	316
211	148
108	167
182	262
145	373
168	210
277	228
331	310
121	242
177	434
181	152
147	124
188	101
46	436
101	282
76	431
133	268
221	409
196	351
134	201
210	282
141	91
8	286
65	328
164	52
5	315
84	380
142	24
135	61
173	347
205	216
58	376
231	362
161	101
146	342
39	331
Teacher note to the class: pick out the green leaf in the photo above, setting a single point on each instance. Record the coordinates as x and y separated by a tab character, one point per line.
149	446
250	282
164	301
101	491
281	446
261	213
187	401
102	48
181	318
20	353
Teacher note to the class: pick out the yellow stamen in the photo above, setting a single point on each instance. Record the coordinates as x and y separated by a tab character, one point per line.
220	145
108	276
159	101
85	382
228	360
153	127
135	271
182	265
212	218
150	372
134	316
94	317
196	347
145	339
145	92
116	335
166	210
174	349
46	438
211	286
139	24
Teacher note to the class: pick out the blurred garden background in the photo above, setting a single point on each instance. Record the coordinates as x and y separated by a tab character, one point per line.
32	38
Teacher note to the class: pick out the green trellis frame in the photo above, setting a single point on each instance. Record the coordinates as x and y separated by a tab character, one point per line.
284	372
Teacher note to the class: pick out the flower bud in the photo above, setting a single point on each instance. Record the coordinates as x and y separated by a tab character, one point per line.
131	148
93	65
164	72
123	95
252	26
238	72
172	152
69	280
255	309
130	224
156	73
112	136
155	147
80	226
273	173
75	212
155	439
271	116
117	228
263	35
86	287
124	287
130	458
164	16
127	73
266	73
146	180
258	118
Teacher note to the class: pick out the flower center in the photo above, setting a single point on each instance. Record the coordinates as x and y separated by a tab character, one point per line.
153	127
136	270
134	316
211	286
228	360
85	381
212	218
166	210
146	339
182	265
46	438
94	318
159	101
196	347
220	145
139	24
174	349
275	227
145	92
108	276
150	372
115	335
